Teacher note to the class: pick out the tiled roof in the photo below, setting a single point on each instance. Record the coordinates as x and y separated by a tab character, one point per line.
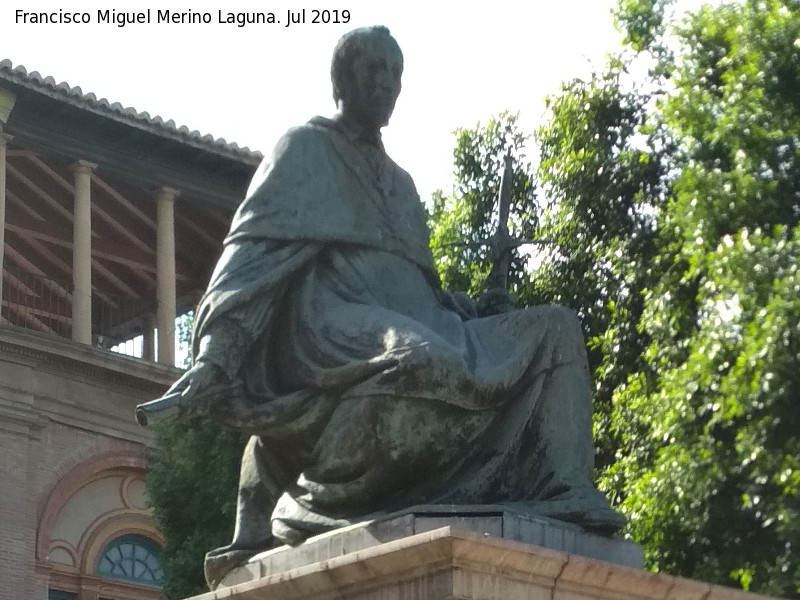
115	110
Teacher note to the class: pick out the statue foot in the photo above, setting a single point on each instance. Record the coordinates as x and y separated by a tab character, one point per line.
586	507
220	562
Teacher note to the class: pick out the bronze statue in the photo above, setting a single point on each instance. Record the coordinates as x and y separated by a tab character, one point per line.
366	388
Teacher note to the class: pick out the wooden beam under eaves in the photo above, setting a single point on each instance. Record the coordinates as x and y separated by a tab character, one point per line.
19	308
19	153
223	221
184	255
123	201
31	321
61	318
183	221
100	249
17	202
27	265
96	209
49	200
66	268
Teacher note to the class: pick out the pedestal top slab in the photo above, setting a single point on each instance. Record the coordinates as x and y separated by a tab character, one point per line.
490	521
444	564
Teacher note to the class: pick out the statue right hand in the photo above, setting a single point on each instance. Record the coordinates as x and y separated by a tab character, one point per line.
195	386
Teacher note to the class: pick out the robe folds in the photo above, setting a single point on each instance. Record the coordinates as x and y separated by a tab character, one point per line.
363	392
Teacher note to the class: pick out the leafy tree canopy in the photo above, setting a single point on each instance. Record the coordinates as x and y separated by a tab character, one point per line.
192	481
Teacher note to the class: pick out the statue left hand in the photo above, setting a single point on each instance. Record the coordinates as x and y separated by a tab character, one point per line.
458	302
495	301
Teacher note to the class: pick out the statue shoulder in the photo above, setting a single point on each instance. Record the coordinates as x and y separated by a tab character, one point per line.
297	152
405	177
302	138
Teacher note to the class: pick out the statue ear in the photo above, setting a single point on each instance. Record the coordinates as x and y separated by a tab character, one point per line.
346	84
345	91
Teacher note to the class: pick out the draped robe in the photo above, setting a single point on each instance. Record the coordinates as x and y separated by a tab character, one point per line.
363	391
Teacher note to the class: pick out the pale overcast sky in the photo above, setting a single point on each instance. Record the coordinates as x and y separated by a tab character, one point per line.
464	63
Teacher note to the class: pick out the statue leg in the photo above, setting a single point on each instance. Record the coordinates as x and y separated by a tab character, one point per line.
564	431
262	479
558	451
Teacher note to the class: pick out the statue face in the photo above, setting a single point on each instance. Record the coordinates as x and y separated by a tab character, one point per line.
374	85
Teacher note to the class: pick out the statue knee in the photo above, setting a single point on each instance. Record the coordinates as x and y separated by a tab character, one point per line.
564	319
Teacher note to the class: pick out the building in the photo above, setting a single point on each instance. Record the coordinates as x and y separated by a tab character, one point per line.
111	222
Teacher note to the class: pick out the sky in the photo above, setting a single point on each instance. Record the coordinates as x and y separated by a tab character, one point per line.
464	63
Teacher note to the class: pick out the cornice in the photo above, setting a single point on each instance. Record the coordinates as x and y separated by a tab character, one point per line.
66	357
21	418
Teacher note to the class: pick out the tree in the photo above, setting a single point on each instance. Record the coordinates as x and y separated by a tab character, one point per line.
723	315
720	498
602	168
192	481
695	332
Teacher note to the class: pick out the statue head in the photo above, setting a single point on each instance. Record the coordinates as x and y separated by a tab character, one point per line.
366	70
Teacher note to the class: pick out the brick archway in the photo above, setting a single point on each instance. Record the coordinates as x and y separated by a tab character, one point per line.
74	480
97	501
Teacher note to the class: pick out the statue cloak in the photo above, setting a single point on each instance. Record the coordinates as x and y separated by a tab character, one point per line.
363	391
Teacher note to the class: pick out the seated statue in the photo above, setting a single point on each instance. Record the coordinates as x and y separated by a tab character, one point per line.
366	388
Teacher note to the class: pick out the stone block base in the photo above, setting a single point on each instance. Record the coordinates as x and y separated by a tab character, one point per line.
446	564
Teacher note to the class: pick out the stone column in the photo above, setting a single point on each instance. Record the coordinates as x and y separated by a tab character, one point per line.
165	273
4	139
149	338
82	253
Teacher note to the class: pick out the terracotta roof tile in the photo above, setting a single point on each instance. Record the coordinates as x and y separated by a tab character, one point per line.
75	95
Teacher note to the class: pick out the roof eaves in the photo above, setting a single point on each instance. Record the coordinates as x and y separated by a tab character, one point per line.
128	115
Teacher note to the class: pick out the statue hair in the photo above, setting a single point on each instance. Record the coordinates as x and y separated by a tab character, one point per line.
351	45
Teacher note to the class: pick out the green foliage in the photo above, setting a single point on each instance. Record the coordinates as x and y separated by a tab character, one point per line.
192	482
708	454
721	495
642	21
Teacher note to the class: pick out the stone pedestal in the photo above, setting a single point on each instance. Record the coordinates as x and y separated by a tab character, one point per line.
450	564
485	520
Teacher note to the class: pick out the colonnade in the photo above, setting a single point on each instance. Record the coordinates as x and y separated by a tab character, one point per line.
164	198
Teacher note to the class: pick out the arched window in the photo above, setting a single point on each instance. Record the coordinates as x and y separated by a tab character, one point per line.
131	558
